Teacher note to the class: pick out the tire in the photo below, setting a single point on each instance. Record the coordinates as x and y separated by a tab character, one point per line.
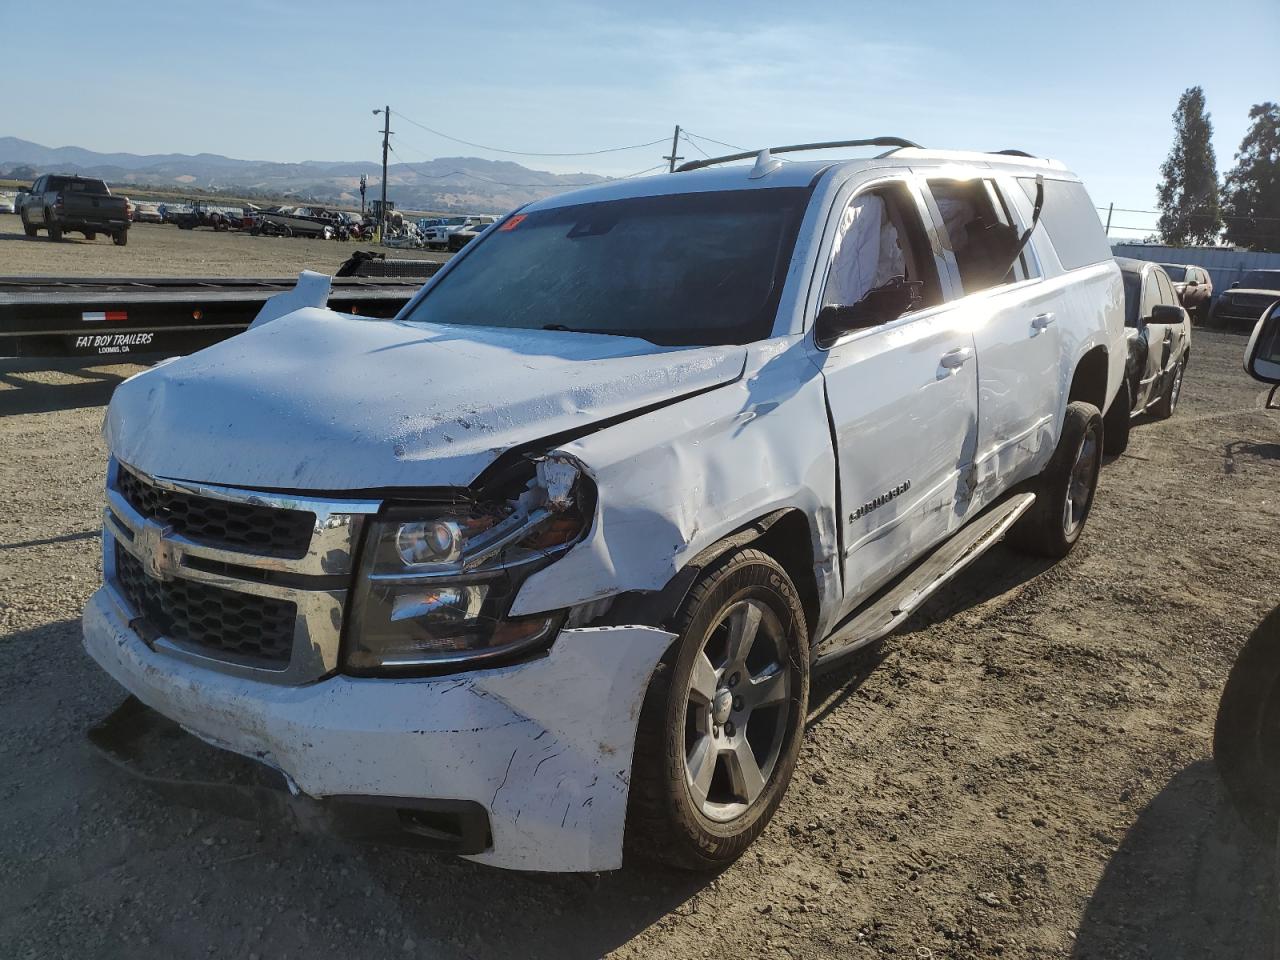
55	231
120	238
1115	425
1246	736
27	228
678	724
90	235
1168	402
1065	489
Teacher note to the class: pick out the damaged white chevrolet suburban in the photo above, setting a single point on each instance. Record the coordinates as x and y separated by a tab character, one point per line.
544	563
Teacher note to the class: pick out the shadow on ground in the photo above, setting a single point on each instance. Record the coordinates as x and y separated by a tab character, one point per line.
22	393
1188	880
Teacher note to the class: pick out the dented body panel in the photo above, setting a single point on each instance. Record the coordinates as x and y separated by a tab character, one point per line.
544	747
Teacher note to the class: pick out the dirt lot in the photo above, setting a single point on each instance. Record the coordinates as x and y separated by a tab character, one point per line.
162	250
1022	772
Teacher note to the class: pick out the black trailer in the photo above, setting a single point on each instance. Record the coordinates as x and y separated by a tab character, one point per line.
78	317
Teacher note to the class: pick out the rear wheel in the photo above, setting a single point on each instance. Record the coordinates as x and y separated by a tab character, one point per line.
723	719
55	231
1064	491
90	235
1168	401
120	238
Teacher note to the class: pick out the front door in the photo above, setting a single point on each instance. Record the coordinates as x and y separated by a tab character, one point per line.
901	394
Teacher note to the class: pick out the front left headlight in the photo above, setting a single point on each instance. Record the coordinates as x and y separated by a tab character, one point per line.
436	581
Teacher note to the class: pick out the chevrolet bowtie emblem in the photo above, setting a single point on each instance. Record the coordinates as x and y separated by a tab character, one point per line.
160	556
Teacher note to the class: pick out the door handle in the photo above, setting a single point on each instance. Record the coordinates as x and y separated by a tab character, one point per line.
955	359
1041	321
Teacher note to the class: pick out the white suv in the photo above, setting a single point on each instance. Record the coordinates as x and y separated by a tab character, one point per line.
545	563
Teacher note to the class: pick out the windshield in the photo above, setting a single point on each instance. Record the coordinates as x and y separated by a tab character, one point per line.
1176	274
680	270
1261	280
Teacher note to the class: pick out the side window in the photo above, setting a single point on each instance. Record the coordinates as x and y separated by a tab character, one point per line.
880	243
979	232
1071	221
1167	294
1150	294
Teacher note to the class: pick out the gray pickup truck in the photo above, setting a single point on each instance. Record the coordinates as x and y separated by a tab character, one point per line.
74	204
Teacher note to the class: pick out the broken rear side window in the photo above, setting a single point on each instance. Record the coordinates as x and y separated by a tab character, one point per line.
680	270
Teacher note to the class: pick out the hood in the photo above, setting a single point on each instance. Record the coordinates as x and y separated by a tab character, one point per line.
323	401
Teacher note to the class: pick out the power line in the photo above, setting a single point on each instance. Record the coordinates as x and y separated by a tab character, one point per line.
719	143
695	146
1225	216
529	153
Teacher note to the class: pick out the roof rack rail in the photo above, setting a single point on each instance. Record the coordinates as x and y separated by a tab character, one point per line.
896	142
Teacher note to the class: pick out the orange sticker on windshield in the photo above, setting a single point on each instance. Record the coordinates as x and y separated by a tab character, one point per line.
513	222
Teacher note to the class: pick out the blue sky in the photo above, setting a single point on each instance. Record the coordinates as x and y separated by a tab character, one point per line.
1092	84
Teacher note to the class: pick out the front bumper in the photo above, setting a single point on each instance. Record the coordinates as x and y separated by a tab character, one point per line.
543	746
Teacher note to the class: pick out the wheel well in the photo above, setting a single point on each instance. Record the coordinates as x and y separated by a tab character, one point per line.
784	535
789	541
1090	381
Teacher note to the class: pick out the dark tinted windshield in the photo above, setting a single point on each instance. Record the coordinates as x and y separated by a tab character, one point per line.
1261	280
687	269
1176	274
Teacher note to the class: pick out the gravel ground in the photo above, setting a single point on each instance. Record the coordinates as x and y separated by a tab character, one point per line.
1023	771
162	250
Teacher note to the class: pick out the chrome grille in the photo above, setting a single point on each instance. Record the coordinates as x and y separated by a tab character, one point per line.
271	531
207	617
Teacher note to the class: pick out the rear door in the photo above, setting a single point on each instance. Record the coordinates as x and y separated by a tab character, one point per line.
1014	317
901	395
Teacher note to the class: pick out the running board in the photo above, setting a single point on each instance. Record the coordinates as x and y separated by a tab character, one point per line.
888	611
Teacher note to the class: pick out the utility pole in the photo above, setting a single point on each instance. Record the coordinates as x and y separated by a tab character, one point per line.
675	139
1110	206
386	143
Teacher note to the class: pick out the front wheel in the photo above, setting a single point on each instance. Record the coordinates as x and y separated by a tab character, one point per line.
723	719
1064	490
90	235
28	228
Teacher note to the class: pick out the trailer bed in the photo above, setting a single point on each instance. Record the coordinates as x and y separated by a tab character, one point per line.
100	316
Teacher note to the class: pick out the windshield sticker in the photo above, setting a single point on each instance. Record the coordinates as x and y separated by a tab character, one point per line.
513	222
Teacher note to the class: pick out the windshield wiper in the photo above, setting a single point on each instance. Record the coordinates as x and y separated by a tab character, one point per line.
608	333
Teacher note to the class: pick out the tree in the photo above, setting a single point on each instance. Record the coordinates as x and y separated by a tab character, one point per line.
1251	194
1188	195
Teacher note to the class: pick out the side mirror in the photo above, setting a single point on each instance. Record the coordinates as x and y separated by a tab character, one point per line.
880	305
1262	355
1235	283
1165	313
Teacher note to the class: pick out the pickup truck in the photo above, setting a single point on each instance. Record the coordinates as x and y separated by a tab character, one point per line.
74	204
539	571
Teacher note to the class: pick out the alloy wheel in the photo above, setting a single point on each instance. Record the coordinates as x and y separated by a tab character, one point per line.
1080	485
736	710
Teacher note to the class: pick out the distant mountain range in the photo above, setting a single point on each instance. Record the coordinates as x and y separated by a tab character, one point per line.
443	184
